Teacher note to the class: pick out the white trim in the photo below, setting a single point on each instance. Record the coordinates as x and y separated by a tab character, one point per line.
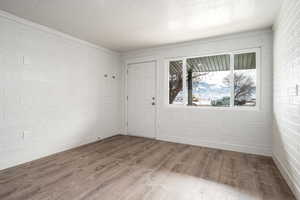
143	60
257	150
125	100
287	176
157	100
46	29
256	50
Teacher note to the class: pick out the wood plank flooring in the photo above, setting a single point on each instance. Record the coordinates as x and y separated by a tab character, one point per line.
133	168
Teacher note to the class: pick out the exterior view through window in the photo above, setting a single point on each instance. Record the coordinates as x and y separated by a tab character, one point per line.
226	80
245	79
206	81
176	82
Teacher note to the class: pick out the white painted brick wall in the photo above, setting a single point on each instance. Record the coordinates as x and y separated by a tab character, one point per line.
52	88
240	130
286	144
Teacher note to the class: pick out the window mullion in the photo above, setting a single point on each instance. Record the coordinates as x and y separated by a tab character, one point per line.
231	80
184	81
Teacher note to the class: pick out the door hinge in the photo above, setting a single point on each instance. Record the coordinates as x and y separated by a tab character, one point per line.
127	124
127	98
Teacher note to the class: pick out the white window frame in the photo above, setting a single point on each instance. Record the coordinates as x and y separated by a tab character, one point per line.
256	50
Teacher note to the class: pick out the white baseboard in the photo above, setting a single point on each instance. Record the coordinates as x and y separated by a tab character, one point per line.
287	176
259	150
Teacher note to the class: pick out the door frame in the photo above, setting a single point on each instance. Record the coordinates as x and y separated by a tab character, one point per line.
136	61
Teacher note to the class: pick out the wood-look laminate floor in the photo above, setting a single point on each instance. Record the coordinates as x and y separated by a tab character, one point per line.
133	168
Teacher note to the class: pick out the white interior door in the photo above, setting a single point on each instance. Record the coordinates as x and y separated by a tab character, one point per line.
141	103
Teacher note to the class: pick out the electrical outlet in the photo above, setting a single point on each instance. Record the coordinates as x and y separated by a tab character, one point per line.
26	60
25	134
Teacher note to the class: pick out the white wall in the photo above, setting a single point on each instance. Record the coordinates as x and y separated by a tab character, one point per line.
286	146
245	131
52	88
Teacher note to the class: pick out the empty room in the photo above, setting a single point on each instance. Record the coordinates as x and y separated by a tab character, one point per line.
150	100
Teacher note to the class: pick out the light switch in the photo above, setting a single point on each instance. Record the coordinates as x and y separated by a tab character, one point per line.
293	90
26	60
25	134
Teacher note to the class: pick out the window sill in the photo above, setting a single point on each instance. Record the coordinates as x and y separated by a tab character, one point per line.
256	108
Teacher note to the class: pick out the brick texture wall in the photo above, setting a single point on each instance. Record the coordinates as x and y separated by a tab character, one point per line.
239	130
53	92
286	144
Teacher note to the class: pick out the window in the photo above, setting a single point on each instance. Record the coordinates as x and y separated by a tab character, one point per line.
205	81
176	82
245	79
225	80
